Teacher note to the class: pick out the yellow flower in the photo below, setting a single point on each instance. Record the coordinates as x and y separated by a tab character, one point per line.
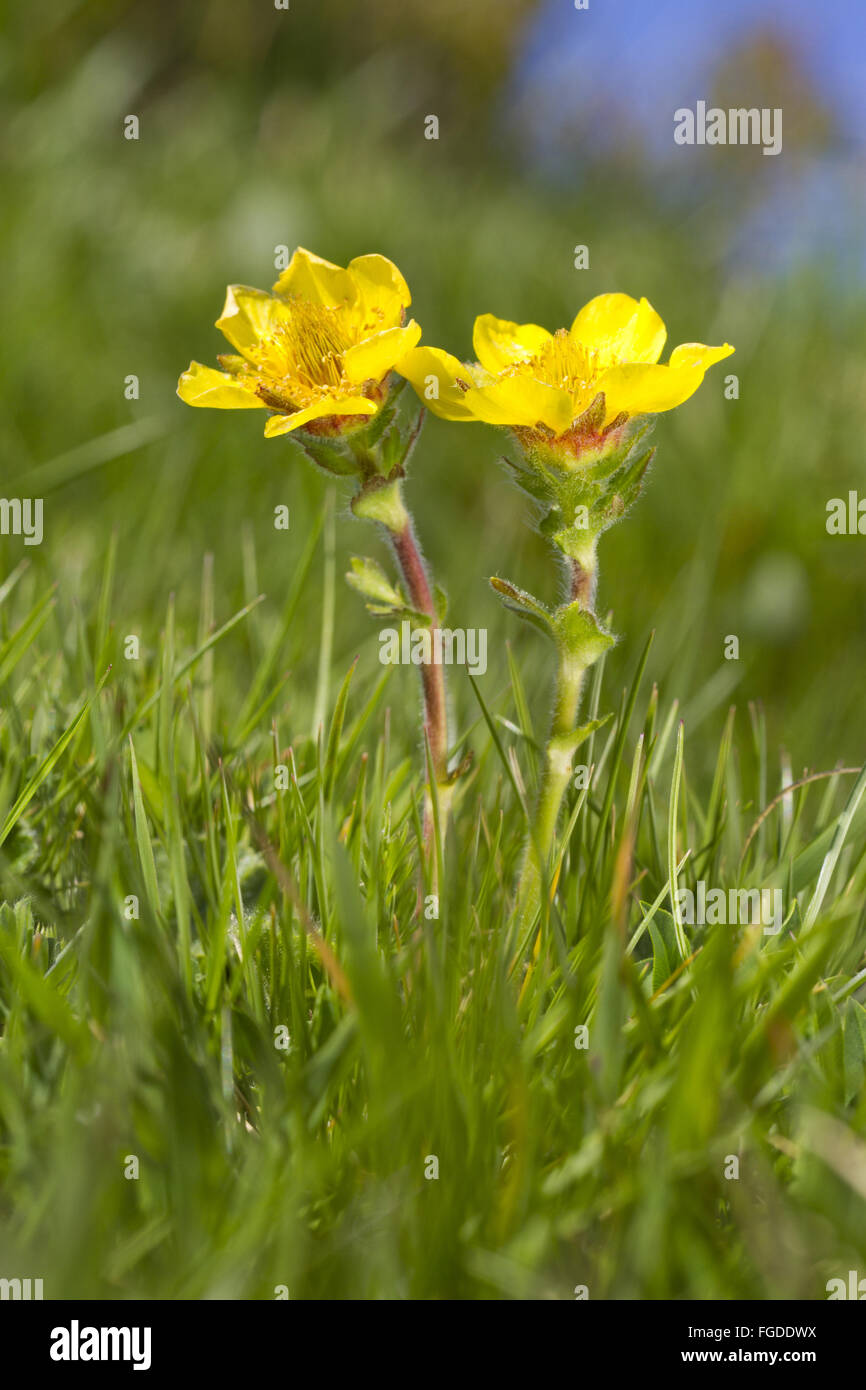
526	377
317	350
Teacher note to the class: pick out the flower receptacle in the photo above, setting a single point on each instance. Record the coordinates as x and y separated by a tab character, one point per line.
586	479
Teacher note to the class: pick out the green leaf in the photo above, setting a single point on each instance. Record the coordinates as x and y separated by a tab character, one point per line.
663	935
610	1018
673	806
832	856
854	1049
368	578
580	633
383	599
142	835
497	743
440	603
569	743
786	1002
523	603
335	731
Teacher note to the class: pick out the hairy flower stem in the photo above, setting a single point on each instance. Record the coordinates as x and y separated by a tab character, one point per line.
414	574
401	533
557	757
383	502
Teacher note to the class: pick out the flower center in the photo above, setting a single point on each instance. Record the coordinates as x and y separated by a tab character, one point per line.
566	363
305	353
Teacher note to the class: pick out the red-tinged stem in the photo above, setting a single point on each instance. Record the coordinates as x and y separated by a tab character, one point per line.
384	504
414	573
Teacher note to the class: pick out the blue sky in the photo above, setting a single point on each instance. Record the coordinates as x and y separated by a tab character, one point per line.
620	70
647	57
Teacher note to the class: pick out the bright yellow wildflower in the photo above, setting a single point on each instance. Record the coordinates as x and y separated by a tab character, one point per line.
526	377
317	350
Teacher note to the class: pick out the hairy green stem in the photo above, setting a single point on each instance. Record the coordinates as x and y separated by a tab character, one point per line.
557	771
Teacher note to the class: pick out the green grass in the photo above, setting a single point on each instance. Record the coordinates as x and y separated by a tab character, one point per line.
264	909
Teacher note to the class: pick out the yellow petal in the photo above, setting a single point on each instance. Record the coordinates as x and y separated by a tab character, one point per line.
380	287
521	400
697	355
645	389
372	359
248	316
620	329
220	390
498	343
328	405
435	375
311	277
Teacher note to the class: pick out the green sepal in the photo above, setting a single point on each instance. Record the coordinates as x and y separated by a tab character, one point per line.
629	483
592	419
364	439
604	461
390	454
597	470
536	481
524	605
332	455
372	433
604	505
384	447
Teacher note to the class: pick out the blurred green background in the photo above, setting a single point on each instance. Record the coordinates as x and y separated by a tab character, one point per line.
261	127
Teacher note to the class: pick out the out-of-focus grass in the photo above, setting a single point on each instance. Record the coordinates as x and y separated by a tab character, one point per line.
156	1037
